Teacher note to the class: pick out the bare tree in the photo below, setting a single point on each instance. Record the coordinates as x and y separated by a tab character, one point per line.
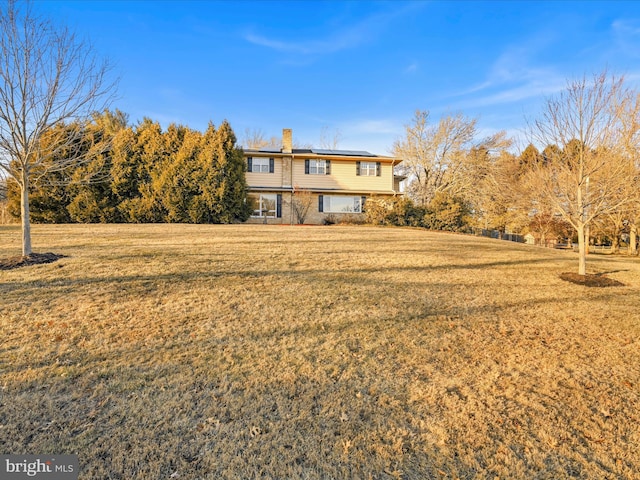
3	187
301	202
328	141
631	120
255	139
495	190
4	214
587	121
48	79
440	157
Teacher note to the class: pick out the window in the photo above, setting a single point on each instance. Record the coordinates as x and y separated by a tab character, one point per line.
339	204
368	169
260	165
267	205
317	167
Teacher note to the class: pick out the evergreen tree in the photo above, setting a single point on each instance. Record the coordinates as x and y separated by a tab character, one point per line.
180	181
92	199
446	212
138	158
225	187
141	175
530	157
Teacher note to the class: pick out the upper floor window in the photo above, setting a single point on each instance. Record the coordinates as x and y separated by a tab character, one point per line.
260	165
317	167
368	169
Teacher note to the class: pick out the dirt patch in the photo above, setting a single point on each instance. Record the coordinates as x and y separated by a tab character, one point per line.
590	280
25	261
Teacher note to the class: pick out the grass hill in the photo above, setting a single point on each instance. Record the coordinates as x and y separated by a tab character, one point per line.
186	351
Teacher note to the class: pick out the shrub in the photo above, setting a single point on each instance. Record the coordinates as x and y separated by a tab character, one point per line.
352	219
330	219
301	202
398	211
446	212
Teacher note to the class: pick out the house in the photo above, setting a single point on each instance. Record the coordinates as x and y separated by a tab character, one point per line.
330	182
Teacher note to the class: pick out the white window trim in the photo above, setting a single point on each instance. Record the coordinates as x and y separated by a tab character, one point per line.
263	163
368	169
356	200
318	165
260	212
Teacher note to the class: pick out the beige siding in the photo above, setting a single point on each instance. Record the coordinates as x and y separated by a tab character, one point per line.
343	177
267	179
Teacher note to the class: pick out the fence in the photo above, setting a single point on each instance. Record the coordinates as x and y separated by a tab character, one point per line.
513	237
510	237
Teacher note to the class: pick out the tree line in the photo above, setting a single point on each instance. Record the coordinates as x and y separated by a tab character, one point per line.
578	178
138	174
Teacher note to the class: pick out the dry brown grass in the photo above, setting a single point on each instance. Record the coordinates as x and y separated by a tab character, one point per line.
318	352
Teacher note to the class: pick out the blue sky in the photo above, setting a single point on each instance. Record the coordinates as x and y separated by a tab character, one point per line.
360	68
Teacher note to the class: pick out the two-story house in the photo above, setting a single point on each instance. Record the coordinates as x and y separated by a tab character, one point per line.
334	182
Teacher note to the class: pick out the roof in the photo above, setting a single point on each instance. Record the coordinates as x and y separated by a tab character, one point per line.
317	151
344	153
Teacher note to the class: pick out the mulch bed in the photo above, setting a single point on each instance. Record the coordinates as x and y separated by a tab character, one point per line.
32	259
590	280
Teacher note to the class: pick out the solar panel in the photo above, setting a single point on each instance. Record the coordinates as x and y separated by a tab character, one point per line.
350	153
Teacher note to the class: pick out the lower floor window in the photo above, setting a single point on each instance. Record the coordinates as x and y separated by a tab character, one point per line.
267	205
340	204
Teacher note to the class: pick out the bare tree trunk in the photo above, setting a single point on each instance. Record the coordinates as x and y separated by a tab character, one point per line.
582	250
24	210
615	242
587	240
633	240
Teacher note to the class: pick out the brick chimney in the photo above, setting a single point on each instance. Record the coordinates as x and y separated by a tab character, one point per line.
287	140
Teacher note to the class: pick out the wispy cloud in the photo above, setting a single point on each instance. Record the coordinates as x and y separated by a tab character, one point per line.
413	67
626	34
544	85
339	37
372	126
627	26
527	70
338	42
515	76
